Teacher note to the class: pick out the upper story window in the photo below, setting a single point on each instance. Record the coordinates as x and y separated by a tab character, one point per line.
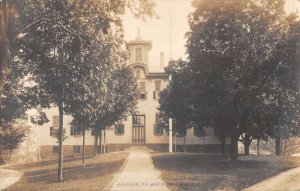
55	125
143	92
158	85
157	89
138	74
143	86
138	54
131	54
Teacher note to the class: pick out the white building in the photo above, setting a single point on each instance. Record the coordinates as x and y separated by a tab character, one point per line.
140	129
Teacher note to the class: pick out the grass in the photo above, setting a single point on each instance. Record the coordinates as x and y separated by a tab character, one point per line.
96	175
191	172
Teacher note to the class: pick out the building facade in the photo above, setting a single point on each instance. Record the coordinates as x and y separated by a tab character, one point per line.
139	129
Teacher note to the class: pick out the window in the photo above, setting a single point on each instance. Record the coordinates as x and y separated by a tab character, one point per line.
131	54
138	120
55	121
55	125
55	149
157	119
199	132
75	131
158	127
158	85
138	74
143	94
138	54
119	129
143	86
157	90
53	131
155	95
76	149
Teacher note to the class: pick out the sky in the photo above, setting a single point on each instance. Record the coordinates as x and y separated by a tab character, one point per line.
169	29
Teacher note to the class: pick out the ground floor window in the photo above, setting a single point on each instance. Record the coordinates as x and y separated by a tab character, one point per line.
119	129
74	131
55	149
158	129
158	126
76	149
53	131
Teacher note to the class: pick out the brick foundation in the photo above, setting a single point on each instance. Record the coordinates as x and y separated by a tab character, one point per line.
51	151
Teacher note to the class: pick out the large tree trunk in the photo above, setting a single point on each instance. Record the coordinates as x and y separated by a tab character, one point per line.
234	148
277	145
3	43
95	141
83	146
247	149
247	142
60	137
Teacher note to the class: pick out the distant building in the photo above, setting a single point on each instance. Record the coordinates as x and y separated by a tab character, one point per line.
139	129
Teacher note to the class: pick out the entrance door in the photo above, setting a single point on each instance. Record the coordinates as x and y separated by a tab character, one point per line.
138	130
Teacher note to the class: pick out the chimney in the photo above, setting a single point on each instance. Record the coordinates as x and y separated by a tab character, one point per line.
162	59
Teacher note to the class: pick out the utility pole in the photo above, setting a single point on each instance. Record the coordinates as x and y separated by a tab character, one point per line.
170	136
170	78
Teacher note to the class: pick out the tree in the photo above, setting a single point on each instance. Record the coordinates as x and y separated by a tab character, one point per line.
230	46
15	99
61	42
8	24
175	101
286	85
118	101
60	46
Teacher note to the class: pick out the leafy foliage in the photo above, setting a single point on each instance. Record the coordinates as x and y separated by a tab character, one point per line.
242	70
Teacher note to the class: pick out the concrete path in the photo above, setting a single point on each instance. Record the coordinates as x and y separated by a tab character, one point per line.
285	181
8	177
139	173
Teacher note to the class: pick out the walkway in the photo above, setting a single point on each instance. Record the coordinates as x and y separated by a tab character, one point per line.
287	181
139	173
8	177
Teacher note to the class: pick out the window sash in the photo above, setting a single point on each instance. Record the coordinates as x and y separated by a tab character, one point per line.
55	121
143	86
138	120
158	85
119	129
138	54
158	130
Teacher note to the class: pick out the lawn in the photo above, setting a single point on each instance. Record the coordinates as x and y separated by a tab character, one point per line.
190	172
96	175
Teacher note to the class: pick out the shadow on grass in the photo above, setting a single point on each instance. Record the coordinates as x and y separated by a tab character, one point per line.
46	162
213	172
208	164
72	173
